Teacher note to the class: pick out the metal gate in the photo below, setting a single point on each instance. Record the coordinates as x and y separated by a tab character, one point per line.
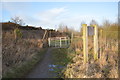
60	42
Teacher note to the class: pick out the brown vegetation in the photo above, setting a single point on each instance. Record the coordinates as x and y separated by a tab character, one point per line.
107	64
16	51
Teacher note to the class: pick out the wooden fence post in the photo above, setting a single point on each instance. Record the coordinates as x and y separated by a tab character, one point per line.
44	35
101	42
85	42
95	42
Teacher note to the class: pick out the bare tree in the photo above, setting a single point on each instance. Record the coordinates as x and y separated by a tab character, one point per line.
17	20
106	23
93	22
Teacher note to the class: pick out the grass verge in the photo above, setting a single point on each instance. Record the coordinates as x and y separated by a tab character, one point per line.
61	57
23	69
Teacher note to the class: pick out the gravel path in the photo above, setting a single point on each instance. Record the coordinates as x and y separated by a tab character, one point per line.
42	69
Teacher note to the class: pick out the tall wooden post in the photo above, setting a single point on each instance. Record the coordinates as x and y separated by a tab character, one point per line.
95	42
49	39
44	35
85	43
101	42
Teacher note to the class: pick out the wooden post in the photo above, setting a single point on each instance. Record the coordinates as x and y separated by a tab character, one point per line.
44	35
85	43
95	42
101	42
60	42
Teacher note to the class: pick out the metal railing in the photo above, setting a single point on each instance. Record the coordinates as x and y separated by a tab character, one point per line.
59	42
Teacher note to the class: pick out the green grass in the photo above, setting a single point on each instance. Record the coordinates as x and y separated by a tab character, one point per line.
61	57
22	70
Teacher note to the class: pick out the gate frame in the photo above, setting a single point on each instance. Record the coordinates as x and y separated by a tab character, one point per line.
66	39
85	42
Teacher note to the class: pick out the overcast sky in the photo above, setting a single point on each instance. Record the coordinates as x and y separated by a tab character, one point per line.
51	14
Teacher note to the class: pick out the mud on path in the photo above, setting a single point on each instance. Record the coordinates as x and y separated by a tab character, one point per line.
42	69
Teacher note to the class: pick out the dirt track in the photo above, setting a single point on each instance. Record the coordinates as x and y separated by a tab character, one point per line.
42	69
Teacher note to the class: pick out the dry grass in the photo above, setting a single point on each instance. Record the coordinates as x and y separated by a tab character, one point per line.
105	67
16	52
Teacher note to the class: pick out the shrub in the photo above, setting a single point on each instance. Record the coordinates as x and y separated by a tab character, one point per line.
17	33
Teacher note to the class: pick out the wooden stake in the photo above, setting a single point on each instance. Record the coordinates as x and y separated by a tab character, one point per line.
101	42
85	43
95	42
44	35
